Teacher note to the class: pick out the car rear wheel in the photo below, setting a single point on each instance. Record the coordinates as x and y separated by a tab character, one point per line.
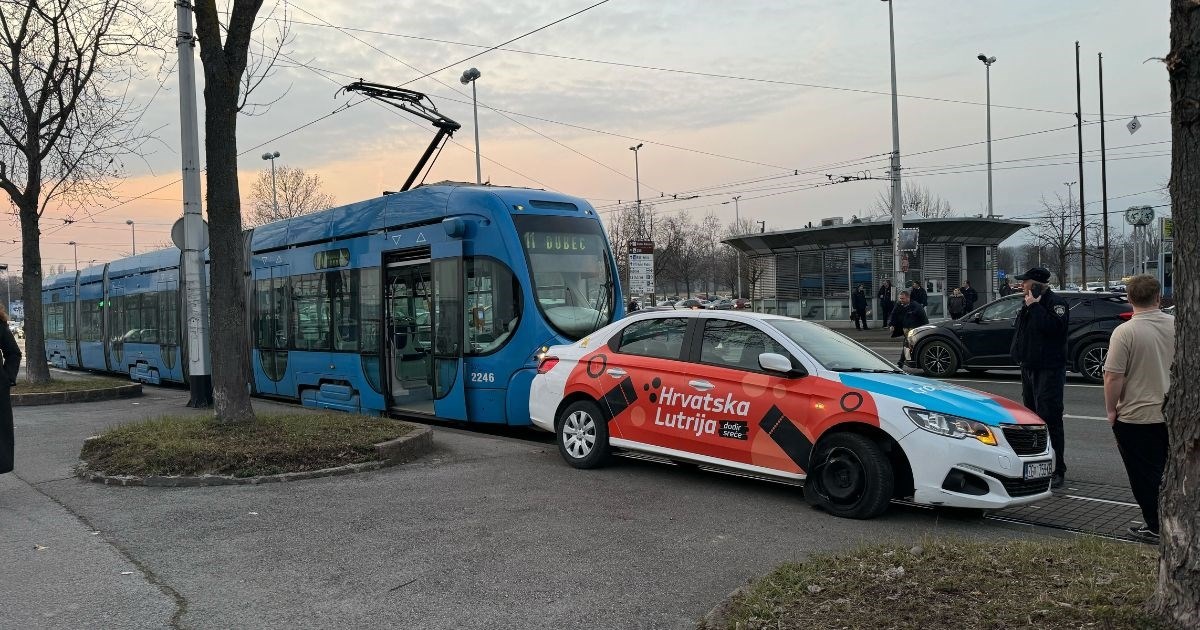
1091	361
583	435
937	358
852	477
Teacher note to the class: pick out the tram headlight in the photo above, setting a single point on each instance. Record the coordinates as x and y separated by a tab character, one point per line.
540	353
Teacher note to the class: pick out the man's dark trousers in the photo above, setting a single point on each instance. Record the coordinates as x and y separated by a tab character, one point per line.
1144	450
1042	393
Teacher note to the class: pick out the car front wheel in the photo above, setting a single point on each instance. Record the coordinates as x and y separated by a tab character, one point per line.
583	435
937	358
851	477
1091	361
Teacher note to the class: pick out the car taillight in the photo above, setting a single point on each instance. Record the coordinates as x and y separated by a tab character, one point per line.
1125	315
547	364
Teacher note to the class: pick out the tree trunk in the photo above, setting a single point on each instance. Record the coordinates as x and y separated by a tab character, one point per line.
223	68
36	369
1177	594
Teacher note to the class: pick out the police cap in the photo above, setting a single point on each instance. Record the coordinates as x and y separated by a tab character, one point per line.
1037	274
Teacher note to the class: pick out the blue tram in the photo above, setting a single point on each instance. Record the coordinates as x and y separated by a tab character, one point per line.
433	301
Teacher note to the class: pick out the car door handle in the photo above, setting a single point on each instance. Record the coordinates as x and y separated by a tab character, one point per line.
701	385
616	372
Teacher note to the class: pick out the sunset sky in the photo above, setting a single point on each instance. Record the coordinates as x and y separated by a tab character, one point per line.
569	122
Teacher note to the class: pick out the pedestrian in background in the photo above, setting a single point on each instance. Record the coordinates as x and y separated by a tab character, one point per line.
957	304
970	296
859	302
633	305
919	295
885	301
12	365
1040	348
907	315
1137	375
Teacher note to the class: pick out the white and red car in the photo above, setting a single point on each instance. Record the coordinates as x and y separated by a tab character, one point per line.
789	400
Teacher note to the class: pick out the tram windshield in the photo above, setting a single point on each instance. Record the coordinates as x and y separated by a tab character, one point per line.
570	266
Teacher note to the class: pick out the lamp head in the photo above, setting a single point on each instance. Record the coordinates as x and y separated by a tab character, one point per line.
72	243
128	221
469	75
639	145
982	57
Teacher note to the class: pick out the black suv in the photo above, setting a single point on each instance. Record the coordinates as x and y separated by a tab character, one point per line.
981	339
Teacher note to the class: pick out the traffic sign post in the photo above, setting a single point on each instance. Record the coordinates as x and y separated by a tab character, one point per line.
641	267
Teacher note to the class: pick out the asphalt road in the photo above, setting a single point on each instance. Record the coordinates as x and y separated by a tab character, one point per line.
486	532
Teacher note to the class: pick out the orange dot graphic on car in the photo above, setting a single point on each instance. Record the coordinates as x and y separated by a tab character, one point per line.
637	416
779	390
755	385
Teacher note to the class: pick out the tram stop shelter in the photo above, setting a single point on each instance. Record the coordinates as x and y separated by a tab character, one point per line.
810	272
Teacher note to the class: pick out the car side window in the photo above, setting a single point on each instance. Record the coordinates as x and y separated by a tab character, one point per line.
1003	309
735	345
660	338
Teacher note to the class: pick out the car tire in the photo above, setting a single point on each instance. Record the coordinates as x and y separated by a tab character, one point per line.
1091	361
582	435
852	477
938	359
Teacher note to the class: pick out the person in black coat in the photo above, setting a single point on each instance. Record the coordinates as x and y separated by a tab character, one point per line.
957	303
970	296
8	378
885	301
858	302
918	294
1040	348
907	315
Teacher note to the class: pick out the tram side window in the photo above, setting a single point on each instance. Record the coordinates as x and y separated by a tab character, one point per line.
310	312
168	317
368	294
270	309
54	320
493	305
343	289
129	318
91	320
149	305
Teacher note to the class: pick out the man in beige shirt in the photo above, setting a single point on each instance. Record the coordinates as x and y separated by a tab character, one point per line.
1137	374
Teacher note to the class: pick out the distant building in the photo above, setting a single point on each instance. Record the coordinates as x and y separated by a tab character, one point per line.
810	272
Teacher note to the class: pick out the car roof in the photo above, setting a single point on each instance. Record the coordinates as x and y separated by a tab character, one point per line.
687	312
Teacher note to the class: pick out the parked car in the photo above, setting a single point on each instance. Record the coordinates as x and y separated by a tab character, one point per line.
689	303
982	339
722	304
786	400
17	329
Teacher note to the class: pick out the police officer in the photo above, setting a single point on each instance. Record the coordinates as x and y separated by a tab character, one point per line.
1040	348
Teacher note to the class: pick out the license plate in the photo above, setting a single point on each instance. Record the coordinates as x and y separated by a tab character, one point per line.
1038	470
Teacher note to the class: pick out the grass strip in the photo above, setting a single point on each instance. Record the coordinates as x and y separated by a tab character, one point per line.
275	443
1081	583
68	385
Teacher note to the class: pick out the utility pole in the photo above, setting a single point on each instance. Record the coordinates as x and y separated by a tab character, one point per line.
132	234
1082	205
637	182
470	76
897	210
737	222
195	234
1103	171
987	62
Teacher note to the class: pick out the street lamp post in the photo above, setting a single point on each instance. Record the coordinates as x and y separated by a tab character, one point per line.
737	223
470	76
132	234
897	210
274	197
1063	229
75	247
637	182
987	63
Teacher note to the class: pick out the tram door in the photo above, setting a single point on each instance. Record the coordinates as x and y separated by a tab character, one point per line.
424	331
408	292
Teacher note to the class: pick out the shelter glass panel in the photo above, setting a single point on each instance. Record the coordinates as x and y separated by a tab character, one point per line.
811	284
786	281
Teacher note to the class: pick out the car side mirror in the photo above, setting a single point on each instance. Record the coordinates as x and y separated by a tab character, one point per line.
774	362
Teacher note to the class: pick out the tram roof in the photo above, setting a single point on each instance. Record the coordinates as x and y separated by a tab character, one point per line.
427	203
961	230
142	263
60	280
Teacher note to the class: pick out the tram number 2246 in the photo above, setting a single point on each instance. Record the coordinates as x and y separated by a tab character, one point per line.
483	377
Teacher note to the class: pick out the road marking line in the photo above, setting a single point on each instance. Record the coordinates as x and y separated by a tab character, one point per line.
1072	496
1067	415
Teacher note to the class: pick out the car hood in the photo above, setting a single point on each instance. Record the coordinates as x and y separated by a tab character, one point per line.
942	397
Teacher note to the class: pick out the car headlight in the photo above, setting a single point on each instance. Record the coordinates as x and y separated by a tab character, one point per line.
913	332
951	426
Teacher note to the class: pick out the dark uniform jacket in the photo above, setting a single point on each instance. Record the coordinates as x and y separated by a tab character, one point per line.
970	296
906	316
1041	338
919	296
859	301
884	294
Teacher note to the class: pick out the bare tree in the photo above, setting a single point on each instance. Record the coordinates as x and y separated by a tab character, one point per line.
915	199
225	74
65	119
1058	232
1177	593
297	191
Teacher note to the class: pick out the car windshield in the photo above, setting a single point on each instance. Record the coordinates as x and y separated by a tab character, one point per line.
570	266
832	350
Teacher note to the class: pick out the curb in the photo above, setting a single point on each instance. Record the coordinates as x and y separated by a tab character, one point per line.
83	395
391	453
